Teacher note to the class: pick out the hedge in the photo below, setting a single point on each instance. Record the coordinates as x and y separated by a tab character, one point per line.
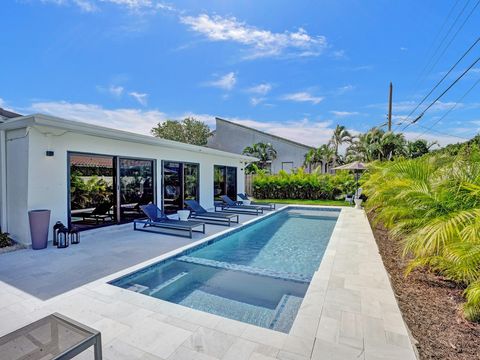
301	185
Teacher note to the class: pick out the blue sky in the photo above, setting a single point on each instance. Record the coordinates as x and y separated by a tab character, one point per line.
293	68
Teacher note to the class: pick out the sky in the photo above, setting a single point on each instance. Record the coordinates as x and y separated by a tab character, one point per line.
292	68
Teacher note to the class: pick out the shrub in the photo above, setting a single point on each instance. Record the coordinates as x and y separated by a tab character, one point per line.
5	240
301	185
432	205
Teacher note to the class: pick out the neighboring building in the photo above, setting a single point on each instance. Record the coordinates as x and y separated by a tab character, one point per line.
6	114
233	137
91	176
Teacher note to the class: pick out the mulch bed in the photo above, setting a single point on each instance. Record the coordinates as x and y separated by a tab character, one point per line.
431	307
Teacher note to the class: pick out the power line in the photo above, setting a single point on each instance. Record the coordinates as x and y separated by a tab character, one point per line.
444	38
454	36
444	77
420	76
448	111
442	133
443	93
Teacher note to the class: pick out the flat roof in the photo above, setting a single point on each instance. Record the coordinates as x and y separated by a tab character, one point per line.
109	133
265	133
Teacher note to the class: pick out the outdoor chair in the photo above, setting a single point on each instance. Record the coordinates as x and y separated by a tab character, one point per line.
267	206
158	220
101	212
229	205
211	217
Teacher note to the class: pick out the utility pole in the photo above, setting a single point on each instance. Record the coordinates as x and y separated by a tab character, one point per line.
390	108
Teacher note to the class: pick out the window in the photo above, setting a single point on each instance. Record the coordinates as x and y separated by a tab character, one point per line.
287	166
180	183
225	181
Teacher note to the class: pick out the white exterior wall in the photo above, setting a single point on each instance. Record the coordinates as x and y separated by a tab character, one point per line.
17	184
47	185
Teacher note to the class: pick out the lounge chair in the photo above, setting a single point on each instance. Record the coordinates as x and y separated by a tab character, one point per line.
351	197
218	218
268	206
101	212
235	206
157	219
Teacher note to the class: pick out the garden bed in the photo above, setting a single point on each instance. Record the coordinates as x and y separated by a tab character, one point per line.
431	307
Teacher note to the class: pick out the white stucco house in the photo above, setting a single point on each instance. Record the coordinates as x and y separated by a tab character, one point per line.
91	176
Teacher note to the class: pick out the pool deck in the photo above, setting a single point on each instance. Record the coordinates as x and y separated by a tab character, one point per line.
349	311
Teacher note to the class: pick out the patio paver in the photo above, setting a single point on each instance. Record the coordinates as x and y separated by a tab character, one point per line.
349	311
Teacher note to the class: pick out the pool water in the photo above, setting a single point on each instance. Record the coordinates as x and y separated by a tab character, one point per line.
257	274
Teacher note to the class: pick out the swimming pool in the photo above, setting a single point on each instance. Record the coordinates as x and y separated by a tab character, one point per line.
258	273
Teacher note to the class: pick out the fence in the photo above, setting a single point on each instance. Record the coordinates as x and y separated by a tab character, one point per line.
249	184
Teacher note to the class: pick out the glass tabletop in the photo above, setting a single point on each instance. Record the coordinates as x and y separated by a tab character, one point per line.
44	339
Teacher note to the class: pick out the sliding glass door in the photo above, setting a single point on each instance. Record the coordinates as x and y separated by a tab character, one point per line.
224	181
136	187
105	190
180	183
92	190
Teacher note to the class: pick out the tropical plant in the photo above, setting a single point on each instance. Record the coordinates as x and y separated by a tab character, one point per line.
321	156
432	205
339	137
302	185
189	130
265	152
88	191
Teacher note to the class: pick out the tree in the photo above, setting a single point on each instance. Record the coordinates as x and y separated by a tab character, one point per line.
419	148
376	144
324	155
189	130
263	151
339	137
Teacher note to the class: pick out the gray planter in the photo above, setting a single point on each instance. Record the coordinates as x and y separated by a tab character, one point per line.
39	223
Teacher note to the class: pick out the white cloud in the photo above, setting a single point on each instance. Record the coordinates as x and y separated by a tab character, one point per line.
84	5
305	131
140	97
129	119
303	97
225	82
344	89
256	100
344	113
402	48
339	54
260	42
407	106
116	90
261	89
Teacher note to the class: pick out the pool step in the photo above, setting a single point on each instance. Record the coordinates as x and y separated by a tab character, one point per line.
152	291
169	282
246	269
286	310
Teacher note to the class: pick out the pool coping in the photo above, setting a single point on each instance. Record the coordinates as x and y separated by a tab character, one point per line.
319	324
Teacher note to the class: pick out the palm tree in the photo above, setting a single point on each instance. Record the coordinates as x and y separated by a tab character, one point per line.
327	156
263	151
432	205
339	137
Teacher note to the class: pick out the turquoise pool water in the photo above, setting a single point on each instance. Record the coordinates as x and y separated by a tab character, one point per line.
257	274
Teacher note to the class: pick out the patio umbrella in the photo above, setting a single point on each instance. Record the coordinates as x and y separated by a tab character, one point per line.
356	166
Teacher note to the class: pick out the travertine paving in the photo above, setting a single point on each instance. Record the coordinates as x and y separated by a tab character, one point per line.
349	312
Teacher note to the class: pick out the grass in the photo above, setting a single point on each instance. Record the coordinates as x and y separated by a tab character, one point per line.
304	202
